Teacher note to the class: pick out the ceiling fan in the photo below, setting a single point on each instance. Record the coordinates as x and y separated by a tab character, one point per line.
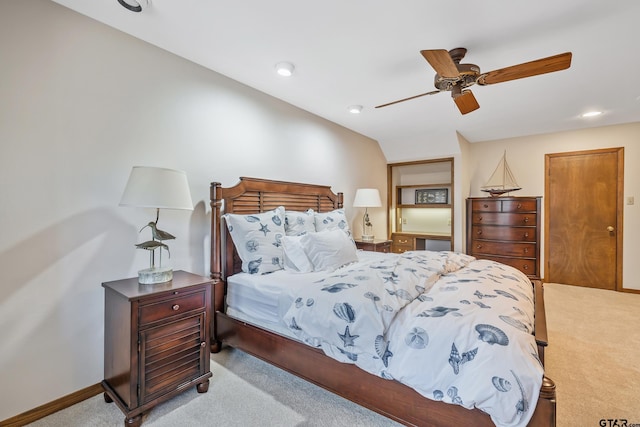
455	77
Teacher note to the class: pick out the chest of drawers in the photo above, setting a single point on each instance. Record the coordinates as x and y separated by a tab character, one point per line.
507	230
156	341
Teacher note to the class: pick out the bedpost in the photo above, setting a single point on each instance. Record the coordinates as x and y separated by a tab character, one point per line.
215	269
339	203
217	295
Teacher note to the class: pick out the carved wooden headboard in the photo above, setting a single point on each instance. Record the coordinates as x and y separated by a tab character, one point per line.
254	195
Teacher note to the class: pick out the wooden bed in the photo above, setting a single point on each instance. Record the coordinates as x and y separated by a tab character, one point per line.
389	398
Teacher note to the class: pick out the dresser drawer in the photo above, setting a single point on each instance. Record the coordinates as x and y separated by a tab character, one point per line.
496	232
527	266
529	205
503	248
171	306
486	205
509	219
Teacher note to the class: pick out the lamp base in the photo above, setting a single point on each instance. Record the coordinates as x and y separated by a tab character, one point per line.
367	238
151	276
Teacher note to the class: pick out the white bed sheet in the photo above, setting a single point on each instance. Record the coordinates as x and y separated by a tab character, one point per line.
260	300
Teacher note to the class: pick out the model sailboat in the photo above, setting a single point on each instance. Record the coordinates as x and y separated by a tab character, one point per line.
502	180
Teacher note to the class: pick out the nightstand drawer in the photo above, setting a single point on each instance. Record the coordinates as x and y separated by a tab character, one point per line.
375	246
172	306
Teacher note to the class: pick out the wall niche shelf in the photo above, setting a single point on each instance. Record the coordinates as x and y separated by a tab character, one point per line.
421	205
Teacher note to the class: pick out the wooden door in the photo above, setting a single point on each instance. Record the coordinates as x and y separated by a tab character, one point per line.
583	218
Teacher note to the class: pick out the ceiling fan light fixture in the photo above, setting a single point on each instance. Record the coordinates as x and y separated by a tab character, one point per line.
285	69
354	109
134	5
591	114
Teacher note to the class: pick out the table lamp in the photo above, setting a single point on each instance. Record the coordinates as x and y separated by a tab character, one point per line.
157	188
367	198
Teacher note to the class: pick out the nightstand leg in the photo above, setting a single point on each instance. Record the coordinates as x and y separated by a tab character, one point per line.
203	387
133	422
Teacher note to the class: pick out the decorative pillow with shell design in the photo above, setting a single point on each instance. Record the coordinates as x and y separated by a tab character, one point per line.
299	223
334	220
257	238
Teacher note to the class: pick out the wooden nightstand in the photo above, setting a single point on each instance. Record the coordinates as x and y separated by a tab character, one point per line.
156	341
378	245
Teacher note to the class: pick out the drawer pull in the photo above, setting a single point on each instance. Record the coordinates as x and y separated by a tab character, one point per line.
526	220
525	267
519	205
175	307
480	218
404	241
526	250
479	232
202	344
176	292
526	234
479	247
486	206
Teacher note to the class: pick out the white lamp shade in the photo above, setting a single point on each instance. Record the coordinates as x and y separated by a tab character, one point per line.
151	187
367	198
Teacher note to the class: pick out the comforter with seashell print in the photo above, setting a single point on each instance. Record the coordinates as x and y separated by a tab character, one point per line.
469	321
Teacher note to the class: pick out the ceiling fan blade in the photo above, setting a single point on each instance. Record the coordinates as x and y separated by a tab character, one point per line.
407	99
527	69
466	102
441	61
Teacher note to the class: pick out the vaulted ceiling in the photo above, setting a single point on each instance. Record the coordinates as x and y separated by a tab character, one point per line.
367	52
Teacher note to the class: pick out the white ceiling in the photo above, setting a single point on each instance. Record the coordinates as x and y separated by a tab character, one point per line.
367	52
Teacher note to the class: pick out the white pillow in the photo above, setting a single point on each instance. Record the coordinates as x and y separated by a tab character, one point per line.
257	238
299	223
332	220
329	250
295	257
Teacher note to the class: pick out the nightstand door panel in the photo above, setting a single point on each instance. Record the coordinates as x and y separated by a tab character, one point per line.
171	354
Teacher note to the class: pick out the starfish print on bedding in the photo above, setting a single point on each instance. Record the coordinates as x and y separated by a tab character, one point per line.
347	338
264	228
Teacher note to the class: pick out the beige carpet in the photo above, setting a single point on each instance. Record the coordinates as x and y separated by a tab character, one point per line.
593	354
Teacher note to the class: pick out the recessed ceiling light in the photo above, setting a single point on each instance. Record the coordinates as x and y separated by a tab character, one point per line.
134	5
285	68
592	114
355	109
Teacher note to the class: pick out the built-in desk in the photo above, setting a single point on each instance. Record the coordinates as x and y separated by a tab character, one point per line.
402	242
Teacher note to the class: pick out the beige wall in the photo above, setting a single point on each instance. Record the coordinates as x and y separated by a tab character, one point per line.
80	104
526	157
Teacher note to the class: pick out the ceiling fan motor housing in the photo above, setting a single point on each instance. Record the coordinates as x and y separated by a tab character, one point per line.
468	73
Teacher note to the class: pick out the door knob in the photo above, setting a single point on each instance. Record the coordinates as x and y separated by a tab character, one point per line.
610	229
